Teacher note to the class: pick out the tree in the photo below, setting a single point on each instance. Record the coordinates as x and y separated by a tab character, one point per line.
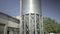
50	25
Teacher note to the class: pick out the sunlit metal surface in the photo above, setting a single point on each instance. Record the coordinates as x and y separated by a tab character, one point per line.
31	22
31	6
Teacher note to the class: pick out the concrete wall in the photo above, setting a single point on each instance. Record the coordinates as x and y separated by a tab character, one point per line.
3	21
13	24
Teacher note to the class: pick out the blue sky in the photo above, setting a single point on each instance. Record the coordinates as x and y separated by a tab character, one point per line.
50	8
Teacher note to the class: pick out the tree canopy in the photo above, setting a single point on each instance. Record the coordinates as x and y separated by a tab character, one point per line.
50	25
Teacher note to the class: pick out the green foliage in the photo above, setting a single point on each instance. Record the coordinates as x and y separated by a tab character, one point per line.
50	26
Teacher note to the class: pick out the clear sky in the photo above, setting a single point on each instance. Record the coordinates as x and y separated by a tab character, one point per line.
50	8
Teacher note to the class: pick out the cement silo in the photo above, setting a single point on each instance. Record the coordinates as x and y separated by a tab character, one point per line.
31	17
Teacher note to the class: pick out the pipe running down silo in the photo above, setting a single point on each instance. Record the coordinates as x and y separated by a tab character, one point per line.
31	17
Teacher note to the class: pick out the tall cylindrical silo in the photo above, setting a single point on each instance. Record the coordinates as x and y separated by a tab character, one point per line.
31	14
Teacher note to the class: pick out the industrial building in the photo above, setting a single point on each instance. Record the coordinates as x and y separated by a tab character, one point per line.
30	20
8	24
